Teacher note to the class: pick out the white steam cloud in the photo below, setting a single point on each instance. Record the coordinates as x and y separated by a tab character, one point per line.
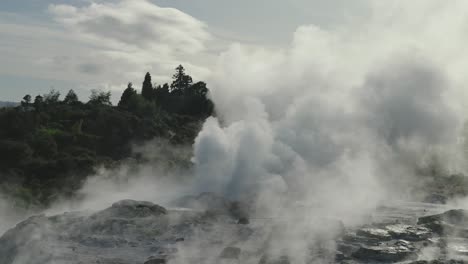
338	122
301	124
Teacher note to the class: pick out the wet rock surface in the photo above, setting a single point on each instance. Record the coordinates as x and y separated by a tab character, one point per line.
388	252
132	232
437	238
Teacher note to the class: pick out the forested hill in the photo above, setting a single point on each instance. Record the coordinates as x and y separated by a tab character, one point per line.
8	104
48	146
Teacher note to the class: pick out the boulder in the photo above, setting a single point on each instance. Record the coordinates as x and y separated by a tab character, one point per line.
454	217
400	250
132	209
450	223
126	232
339	256
408	232
374	233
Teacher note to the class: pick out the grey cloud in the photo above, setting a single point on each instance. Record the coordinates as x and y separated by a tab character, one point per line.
90	68
136	24
134	37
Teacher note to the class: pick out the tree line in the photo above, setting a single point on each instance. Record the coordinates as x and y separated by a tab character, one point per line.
181	97
49	146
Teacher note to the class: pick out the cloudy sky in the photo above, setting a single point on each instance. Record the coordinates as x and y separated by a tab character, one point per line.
104	44
85	44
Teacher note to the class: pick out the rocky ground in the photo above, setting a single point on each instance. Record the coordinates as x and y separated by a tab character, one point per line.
132	232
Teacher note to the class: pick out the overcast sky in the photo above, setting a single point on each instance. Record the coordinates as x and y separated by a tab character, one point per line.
104	44
85	44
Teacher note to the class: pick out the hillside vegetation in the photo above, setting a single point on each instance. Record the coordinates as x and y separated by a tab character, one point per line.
49	146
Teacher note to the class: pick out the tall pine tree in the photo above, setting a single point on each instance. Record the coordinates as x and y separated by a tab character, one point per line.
126	96
147	88
181	80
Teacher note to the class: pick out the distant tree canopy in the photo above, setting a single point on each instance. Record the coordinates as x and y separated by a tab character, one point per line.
182	97
181	81
52	97
38	102
100	98
26	100
49	146
126	96
71	97
147	87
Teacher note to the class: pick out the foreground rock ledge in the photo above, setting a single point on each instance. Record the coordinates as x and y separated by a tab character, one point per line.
133	232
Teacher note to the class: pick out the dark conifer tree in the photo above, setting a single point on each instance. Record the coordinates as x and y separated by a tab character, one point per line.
165	87
71	97
38	102
147	88
181	80
126	96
